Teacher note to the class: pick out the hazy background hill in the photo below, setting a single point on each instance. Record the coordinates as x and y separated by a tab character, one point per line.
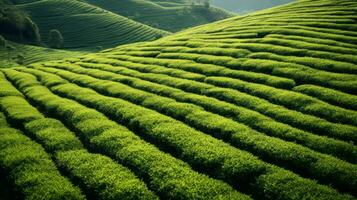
169	15
246	6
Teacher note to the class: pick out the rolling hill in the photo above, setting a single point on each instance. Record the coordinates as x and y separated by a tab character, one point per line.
167	15
261	106
86	27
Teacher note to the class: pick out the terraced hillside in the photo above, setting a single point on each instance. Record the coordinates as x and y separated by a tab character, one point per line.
167	15
84	26
262	106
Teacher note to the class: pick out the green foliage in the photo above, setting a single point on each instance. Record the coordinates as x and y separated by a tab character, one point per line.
241	114
63	144
16	25
155	125
279	184
99	171
31	32
6	88
254	107
32	170
232	132
206	69
43	129
290	99
18	110
280	113
332	96
299	73
177	137
55	39
168	176
316	63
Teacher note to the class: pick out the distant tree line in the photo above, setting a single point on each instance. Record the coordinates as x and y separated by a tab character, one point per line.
16	25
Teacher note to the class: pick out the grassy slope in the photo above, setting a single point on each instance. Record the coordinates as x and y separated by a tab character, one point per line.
33	54
84	26
264	102
167	15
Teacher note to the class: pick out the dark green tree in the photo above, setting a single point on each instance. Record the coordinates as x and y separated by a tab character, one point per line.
55	39
31	32
16	25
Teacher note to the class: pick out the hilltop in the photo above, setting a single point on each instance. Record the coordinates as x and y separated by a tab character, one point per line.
260	106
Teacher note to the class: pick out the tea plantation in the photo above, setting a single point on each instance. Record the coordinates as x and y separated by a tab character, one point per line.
260	106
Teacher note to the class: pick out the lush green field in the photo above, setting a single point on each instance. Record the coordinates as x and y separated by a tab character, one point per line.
167	15
262	106
85	26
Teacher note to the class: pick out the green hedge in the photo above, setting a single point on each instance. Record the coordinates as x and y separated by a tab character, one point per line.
156	127
168	177
6	88
147	68
316	63
289	155
329	95
295	72
208	68
321	126
18	110
251	118
317	41
53	135
90	171
31	169
290	99
102	177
